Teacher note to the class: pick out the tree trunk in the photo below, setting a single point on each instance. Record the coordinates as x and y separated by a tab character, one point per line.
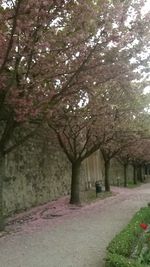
2	223
146	170
140	173
134	175
125	175
107	167
75	183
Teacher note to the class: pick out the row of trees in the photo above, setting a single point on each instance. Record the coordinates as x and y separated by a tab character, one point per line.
76	67
116	132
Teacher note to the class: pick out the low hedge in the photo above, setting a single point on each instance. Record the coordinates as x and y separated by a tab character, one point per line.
121	247
115	260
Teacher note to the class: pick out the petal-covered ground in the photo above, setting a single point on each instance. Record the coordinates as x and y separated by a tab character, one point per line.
59	235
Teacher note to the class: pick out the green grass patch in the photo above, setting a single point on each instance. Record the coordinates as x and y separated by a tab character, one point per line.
90	196
122	246
132	185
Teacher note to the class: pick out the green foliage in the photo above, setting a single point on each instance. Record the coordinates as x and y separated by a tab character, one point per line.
132	185
121	247
90	196
145	257
115	260
142	251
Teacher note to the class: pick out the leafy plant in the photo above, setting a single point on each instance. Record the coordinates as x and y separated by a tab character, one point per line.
126	249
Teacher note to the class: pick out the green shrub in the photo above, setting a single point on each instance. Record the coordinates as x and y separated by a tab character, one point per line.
121	247
115	260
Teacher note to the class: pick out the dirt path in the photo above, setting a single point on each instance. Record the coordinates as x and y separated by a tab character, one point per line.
70	237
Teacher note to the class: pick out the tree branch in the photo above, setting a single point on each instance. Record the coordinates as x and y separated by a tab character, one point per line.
10	44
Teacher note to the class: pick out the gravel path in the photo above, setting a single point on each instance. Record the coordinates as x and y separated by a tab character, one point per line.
76	239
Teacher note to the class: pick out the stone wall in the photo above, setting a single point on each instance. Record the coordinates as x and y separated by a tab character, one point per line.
39	172
117	172
94	170
35	173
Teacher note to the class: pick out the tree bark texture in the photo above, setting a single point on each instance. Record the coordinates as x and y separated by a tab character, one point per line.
140	173
134	175
125	175
2	221
75	183
107	184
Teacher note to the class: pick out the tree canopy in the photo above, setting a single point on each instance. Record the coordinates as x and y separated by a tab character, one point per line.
78	66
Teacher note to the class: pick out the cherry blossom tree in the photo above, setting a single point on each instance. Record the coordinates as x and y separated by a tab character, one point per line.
77	129
46	57
40	44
